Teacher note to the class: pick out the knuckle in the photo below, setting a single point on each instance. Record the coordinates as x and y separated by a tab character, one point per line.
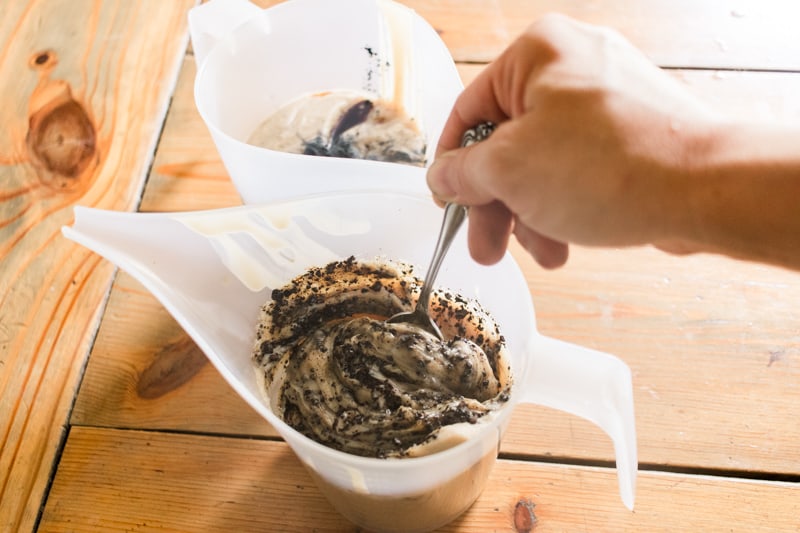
505	162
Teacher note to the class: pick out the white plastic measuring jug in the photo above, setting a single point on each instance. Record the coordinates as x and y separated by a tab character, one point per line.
212	271
252	61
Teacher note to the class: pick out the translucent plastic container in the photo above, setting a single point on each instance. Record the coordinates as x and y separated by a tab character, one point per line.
213	270
251	61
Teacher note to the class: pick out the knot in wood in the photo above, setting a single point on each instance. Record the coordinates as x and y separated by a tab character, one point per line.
61	137
524	519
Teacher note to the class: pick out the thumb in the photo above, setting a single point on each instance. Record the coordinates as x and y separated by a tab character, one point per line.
458	176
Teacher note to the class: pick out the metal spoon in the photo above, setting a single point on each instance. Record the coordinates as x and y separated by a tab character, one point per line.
454	215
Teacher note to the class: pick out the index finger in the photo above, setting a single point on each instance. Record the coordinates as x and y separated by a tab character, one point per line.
498	93
475	105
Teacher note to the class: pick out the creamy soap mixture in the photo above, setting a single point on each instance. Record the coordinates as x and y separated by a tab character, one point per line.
343	124
336	372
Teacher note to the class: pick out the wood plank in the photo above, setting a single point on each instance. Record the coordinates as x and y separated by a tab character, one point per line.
149	481
87	87
740	34
713	345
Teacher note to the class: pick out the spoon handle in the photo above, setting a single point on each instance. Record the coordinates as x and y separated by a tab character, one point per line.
454	215
477	134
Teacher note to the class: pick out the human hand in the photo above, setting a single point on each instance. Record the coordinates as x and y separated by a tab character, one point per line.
594	146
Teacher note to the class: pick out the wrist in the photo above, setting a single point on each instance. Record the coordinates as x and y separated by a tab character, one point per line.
739	192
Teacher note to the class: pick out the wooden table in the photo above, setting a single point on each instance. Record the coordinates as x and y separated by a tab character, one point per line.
111	419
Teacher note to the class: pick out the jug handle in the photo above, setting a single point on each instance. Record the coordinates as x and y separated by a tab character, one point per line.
593	385
213	20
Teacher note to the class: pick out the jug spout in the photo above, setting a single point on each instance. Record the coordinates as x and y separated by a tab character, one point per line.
593	385
211	21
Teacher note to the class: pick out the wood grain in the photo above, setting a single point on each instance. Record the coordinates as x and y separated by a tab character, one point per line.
85	88
201	483
738	34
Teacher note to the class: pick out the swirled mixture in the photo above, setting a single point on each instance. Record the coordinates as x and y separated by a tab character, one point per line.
343	124
334	370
